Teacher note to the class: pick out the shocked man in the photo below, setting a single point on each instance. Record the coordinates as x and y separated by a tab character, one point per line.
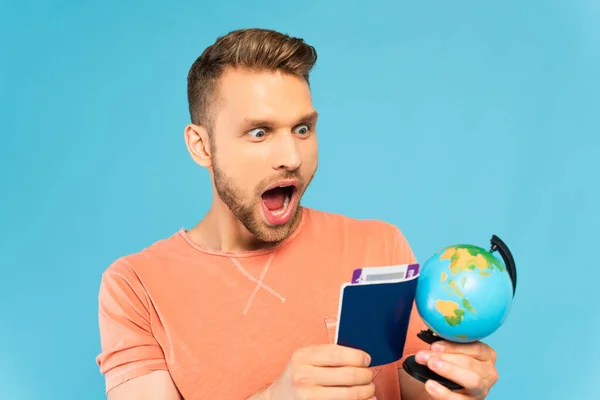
244	304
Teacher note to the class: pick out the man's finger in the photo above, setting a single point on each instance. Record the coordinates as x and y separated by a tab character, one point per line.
440	392
333	356
461	360
471	380
340	376
478	350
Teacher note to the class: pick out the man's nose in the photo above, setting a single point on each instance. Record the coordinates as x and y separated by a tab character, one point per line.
286	154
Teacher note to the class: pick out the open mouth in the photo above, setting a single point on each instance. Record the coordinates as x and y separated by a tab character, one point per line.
279	202
278	199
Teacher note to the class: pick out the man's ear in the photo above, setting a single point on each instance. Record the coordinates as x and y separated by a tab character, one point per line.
198	144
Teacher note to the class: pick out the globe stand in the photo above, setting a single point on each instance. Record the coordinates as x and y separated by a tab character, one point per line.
422	372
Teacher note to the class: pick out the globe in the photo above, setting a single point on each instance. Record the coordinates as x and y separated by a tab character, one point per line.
464	292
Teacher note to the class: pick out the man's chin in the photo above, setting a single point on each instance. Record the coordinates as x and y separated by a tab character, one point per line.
273	236
273	233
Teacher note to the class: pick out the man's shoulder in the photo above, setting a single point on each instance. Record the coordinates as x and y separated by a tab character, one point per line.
375	236
332	220
154	256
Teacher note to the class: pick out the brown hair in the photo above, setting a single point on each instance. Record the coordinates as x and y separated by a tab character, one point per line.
255	49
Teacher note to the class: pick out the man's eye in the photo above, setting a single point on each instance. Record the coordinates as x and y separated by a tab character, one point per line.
302	129
257	133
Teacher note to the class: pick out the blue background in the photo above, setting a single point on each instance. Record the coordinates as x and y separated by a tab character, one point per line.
454	120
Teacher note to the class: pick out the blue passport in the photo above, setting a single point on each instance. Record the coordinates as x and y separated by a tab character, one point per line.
374	311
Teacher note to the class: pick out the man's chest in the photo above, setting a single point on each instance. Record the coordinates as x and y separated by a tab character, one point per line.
241	320
232	325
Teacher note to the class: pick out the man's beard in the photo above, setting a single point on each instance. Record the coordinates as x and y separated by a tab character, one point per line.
247	210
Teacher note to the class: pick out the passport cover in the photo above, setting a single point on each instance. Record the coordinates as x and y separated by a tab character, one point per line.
374	317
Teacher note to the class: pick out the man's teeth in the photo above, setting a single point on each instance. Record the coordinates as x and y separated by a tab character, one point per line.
285	206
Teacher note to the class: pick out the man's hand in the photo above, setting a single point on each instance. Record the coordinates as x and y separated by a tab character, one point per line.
470	365
329	372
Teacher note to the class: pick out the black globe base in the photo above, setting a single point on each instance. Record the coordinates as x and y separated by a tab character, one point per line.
422	372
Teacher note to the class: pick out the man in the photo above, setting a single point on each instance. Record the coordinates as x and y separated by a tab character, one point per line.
244	304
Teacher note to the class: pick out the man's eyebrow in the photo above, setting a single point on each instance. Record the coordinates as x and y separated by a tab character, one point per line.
313	115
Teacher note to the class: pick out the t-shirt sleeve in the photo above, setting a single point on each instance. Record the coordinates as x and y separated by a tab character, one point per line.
128	347
403	254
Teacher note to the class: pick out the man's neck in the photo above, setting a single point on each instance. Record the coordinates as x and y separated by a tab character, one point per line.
220	230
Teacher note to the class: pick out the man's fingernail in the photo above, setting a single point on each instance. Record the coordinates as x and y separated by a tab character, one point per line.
367	360
437	347
422	356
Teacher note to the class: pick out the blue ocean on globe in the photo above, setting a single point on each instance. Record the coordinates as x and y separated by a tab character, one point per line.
464	293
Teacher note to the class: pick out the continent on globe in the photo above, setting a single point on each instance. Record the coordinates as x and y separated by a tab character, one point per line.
467	258
454	286
451	312
468	305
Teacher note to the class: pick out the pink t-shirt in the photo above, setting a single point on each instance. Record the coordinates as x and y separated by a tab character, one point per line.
225	324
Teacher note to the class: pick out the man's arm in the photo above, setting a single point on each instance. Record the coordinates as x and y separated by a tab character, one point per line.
156	385
131	359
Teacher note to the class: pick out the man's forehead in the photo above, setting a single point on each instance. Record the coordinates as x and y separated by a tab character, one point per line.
264	95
